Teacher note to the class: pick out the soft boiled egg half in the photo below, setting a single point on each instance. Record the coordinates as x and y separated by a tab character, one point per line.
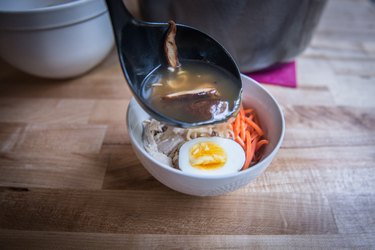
211	156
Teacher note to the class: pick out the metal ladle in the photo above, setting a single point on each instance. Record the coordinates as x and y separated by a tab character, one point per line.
140	50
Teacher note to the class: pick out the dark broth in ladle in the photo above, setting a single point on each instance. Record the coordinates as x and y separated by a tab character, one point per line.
195	92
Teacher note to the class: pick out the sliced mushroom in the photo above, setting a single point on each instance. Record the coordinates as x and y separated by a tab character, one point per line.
191	94
170	47
207	109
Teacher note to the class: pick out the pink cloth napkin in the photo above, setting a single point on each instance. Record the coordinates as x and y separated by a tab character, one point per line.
282	75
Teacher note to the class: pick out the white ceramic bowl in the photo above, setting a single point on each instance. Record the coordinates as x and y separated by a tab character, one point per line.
54	38
271	118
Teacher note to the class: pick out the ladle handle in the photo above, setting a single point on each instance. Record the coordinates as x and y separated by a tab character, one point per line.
120	17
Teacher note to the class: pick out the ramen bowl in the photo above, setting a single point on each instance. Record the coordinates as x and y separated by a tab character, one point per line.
272	122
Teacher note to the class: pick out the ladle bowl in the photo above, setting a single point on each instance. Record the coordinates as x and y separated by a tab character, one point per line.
140	50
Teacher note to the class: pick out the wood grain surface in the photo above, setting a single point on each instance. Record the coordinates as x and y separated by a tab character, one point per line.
69	177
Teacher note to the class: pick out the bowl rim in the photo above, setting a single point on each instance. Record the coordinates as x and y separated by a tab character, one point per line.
52	17
253	168
55	7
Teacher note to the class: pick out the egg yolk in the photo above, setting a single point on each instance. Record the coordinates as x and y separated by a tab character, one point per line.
207	155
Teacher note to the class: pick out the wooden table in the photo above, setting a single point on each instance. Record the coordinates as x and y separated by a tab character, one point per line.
69	177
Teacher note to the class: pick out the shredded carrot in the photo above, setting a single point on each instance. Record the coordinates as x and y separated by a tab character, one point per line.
248	111
261	143
253	148
254	136
249	135
236	129
240	141
242	131
242	112
247	151
255	126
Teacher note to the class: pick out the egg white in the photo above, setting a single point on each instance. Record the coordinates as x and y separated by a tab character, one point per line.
234	151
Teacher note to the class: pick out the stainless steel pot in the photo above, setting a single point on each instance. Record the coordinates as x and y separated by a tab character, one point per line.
257	33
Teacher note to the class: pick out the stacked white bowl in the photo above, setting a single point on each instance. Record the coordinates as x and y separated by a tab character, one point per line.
54	38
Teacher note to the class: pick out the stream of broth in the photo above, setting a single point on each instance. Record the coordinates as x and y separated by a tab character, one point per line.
190	76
